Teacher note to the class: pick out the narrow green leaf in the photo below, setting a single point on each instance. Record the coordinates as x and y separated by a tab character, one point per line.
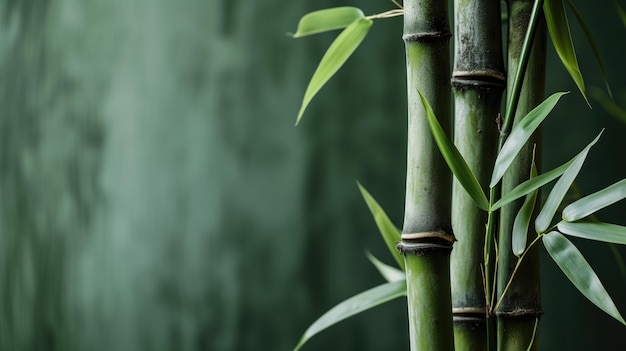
605	232
579	272
620	11
560	189
594	202
336	55
354	305
532	338
531	185
454	159
522	219
391	274
618	258
592	43
327	20
520	135
391	235
562	40
609	105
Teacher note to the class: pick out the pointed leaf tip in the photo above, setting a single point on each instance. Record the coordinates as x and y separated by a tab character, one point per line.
327	20
579	272
454	159
545	216
334	58
590	204
391	274
389	232
562	40
520	135
522	219
354	305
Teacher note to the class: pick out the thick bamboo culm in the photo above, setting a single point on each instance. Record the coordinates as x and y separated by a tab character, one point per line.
521	306
478	80
428	192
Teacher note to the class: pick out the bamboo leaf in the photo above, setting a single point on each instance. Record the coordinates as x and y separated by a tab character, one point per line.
391	274
391	235
594	202
621	12
327	20
562	40
454	159
560	189
354	305
532	338
531	185
520	135
606	232
579	272
592	43
336	55
522	219
609	105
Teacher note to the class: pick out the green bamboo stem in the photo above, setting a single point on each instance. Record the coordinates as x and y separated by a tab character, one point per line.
518	310
478	81
427	233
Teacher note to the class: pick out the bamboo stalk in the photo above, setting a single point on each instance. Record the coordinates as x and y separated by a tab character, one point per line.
520	307
478	81
427	234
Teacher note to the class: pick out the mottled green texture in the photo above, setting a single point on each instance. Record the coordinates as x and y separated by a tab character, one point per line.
428	295
155	194
476	139
427	206
518	334
478	84
524	293
428	183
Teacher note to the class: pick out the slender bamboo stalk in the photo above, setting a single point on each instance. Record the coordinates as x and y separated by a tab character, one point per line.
427	234
478	81
520	307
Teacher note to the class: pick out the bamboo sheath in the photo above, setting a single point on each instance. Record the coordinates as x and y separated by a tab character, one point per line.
427	233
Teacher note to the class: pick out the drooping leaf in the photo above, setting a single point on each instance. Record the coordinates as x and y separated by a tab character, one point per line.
327	20
391	235
520	135
562	40
522	219
560	189
594	202
592	43
609	105
579	272
620	11
391	274
336	55
531	185
454	159
619	260
354	305
606	232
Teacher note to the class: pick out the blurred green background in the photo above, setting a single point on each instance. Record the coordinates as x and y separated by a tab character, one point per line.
155	194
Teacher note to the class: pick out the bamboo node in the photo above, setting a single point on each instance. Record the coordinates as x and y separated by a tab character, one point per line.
420	243
470	311
428	235
427	37
488	75
520	313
